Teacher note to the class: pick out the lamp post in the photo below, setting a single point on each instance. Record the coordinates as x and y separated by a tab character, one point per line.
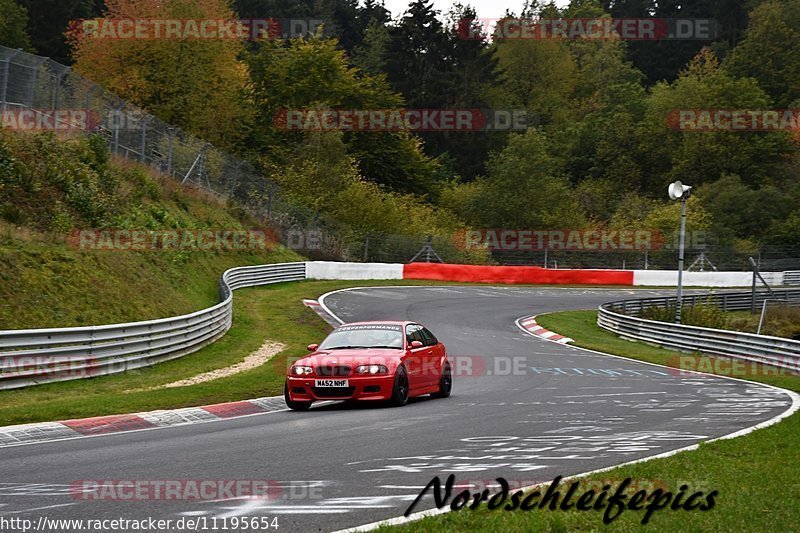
679	191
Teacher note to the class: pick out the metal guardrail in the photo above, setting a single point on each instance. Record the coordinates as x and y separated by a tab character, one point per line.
622	318
791	277
35	356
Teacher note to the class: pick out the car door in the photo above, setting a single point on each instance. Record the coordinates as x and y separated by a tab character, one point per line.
435	355
417	360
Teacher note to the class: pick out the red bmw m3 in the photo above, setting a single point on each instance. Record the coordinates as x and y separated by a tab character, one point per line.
391	361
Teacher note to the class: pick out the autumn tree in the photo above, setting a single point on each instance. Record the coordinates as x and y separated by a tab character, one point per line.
195	83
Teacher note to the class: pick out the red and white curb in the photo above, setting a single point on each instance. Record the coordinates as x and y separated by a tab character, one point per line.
105	425
529	325
323	312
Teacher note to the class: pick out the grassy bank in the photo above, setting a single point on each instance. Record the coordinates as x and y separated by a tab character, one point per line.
755	474
52	187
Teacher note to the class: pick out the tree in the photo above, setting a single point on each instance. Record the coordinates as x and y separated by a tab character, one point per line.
537	76
196	84
697	157
13	25
742	212
524	189
770	51
662	60
419	52
371	55
308	74
49	20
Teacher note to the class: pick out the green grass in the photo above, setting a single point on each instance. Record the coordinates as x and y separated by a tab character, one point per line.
756	475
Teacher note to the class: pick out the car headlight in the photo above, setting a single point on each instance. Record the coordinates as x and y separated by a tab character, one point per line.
301	370
371	369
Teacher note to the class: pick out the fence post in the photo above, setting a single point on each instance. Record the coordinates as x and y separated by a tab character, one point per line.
57	92
116	129
6	70
34	78
145	122
171	138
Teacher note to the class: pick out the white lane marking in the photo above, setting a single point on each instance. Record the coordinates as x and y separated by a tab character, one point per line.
39	508
240	510
613	394
795	406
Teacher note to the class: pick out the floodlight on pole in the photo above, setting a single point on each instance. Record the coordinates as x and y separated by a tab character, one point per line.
679	191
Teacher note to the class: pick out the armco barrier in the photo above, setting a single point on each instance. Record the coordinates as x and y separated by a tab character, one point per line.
516	274
35	356
621	317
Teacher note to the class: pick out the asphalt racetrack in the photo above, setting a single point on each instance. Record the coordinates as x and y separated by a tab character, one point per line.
522	408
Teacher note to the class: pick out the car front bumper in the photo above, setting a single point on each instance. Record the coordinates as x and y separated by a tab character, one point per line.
372	387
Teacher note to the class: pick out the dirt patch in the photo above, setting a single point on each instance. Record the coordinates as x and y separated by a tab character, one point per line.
266	352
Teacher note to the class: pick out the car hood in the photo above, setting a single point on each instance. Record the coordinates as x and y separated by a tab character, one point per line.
355	356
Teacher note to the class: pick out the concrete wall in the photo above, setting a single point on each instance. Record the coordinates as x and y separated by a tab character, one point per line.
336	270
705	279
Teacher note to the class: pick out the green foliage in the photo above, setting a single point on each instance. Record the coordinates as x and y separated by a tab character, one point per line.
315	74
770	52
322	176
704	314
524	189
702	156
739	211
13	25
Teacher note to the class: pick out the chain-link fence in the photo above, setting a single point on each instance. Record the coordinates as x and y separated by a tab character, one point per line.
56	93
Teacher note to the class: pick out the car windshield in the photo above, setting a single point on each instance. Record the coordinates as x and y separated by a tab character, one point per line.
365	336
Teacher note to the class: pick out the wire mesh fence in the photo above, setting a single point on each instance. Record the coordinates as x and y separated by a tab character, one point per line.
55	93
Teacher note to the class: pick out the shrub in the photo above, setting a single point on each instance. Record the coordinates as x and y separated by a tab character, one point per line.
704	314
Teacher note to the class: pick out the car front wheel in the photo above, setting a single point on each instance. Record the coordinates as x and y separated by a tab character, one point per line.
445	383
295	406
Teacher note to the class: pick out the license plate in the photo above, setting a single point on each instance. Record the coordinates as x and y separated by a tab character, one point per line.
331	383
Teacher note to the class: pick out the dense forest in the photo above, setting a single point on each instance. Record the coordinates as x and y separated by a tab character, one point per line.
600	151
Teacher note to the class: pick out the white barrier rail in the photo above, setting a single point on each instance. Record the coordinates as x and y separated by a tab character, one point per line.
622	318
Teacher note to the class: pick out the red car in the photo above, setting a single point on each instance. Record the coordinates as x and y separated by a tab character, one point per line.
391	361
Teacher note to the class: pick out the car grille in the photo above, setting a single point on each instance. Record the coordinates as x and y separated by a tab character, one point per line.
333	392
333	370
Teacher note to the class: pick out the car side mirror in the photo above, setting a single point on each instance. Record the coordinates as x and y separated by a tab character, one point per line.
313	347
416	344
